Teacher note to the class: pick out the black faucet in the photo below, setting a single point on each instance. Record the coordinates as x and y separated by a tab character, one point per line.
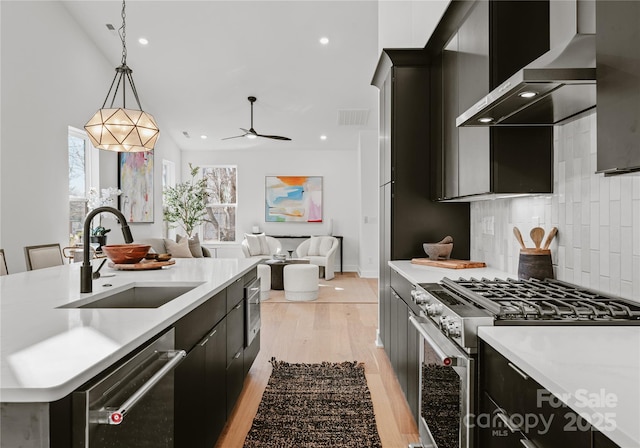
86	272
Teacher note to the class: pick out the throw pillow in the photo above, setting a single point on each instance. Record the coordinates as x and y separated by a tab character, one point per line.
255	248
314	245
325	245
179	250
194	245
264	245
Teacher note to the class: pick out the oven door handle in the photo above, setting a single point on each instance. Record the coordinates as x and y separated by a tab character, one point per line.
115	417
419	323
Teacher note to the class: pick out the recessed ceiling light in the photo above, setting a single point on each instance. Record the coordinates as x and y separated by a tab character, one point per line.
203	137
323	137
485	120
528	94
324	40
143	41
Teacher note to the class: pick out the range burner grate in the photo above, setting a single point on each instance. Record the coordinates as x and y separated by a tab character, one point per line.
548	300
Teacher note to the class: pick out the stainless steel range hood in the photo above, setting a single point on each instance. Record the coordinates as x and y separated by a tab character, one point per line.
558	85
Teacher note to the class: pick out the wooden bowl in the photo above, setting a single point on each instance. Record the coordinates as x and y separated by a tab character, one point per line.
163	257
126	253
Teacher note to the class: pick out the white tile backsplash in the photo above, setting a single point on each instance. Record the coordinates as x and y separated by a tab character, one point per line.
598	219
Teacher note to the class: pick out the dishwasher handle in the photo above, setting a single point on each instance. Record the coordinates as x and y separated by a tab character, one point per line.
115	417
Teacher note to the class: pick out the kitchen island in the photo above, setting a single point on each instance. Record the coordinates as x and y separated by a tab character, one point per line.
49	348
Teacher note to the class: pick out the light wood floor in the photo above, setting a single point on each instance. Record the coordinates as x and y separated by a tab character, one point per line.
339	326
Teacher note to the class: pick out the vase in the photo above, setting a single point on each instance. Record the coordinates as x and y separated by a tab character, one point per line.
100	240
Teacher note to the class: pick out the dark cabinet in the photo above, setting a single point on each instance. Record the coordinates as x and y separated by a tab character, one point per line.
404	345
520	409
235	355
210	379
618	86
408	217
484	49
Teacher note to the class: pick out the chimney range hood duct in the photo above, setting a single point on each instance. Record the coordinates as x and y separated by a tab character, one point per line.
558	85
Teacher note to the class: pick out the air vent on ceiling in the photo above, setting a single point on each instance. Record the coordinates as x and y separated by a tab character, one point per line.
110	27
353	117
186	134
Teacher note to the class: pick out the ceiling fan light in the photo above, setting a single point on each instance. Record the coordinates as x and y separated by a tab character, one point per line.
251	136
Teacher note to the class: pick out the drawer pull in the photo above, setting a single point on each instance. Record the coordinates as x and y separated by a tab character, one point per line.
507	421
237	355
213	332
519	372
528	443
238	306
203	343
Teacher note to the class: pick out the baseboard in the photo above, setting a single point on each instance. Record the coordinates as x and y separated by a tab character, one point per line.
368	273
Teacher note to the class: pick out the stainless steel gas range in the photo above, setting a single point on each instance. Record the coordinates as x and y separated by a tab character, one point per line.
452	311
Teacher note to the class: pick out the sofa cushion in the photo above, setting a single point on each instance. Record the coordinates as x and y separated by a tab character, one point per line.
179	250
157	244
194	245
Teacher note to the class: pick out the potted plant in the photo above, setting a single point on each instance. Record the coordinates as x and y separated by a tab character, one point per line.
99	236
185	204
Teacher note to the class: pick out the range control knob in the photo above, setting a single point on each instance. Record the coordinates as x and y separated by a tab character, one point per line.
453	329
444	323
420	297
434	309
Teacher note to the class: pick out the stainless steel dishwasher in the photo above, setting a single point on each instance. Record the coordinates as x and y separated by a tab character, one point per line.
131	405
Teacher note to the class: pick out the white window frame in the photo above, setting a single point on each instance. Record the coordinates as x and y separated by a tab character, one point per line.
234	205
91	164
168	180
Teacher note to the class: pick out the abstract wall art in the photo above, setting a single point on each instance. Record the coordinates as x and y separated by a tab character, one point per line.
293	199
135	173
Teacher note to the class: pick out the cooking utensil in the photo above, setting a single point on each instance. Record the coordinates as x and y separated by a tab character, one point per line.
537	233
518	235
552	234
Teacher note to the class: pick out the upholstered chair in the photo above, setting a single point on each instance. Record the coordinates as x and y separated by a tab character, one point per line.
321	251
260	246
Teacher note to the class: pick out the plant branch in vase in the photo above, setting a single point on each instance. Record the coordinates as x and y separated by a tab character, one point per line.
185	204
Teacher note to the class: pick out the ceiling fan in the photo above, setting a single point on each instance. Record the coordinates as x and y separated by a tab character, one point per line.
251	133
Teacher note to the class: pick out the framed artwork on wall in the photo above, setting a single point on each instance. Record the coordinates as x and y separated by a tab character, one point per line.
293	198
135	179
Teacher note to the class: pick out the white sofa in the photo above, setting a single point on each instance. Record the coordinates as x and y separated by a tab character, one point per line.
321	251
253	251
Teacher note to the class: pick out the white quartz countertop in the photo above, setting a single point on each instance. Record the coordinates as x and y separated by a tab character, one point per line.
46	351
595	370
416	273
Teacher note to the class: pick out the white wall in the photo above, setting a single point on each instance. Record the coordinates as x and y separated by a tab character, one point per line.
52	77
339	169
408	23
598	219
368	229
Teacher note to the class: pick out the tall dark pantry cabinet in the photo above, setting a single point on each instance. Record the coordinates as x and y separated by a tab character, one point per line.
407	216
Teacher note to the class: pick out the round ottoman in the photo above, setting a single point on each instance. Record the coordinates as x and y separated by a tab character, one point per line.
301	282
264	274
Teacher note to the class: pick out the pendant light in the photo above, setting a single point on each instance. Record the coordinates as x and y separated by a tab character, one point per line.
118	128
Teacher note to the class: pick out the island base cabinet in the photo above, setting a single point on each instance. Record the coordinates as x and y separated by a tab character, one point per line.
200	401
235	355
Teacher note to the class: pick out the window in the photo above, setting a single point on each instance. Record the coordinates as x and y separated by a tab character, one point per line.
222	203
83	174
168	180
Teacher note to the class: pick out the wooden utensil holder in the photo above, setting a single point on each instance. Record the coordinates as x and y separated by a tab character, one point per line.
535	263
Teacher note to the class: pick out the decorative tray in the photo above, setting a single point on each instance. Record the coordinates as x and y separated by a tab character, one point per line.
144	265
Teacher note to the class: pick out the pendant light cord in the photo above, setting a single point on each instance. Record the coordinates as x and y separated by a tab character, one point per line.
123	34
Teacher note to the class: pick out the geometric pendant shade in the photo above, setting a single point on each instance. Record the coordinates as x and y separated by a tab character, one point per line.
122	130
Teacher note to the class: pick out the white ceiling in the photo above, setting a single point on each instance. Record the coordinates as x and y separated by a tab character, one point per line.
204	58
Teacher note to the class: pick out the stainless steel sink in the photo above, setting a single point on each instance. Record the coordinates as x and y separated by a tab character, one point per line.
135	296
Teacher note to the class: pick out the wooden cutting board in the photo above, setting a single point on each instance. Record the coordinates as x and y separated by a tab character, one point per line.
450	263
144	265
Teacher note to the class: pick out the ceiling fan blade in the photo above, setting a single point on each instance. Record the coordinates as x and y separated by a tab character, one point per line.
275	137
235	136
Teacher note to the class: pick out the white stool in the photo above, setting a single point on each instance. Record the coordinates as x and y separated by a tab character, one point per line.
301	282
264	274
